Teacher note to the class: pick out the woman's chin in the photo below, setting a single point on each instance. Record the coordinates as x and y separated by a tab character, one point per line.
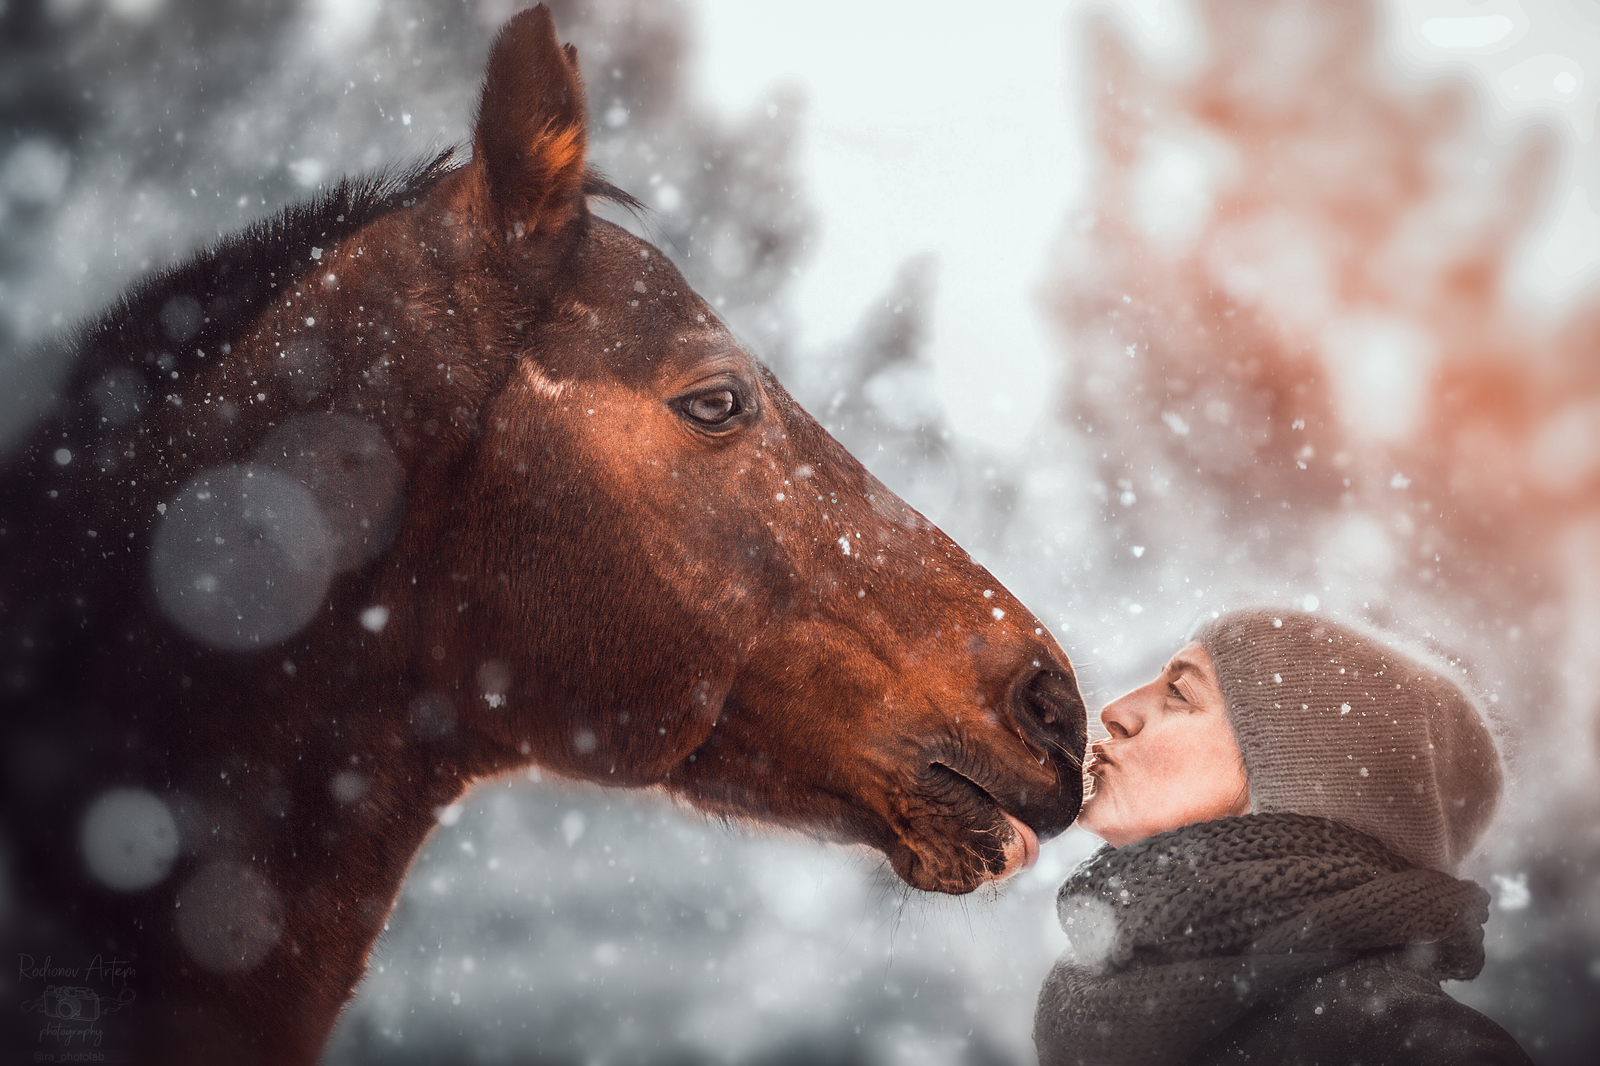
1091	815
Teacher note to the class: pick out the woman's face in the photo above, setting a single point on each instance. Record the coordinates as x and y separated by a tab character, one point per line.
1171	759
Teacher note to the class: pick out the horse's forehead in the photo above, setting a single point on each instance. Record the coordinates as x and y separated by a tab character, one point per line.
638	312
617	261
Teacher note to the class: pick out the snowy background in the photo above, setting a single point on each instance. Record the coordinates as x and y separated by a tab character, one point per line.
1153	306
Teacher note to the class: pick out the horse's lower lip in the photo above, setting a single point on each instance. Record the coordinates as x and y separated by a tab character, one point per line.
1027	843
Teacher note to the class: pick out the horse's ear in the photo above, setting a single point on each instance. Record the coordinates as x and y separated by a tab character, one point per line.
532	128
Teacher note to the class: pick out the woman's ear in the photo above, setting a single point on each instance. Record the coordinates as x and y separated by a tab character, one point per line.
531	135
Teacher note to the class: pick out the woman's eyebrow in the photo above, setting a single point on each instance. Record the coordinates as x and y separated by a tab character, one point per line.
1177	668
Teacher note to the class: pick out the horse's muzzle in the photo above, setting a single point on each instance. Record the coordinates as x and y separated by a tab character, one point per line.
1049	715
1009	778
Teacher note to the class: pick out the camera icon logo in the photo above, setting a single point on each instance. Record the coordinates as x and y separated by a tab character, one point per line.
71	1004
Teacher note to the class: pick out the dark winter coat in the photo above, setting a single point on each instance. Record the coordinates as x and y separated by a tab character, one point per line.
1267	938
1375	1011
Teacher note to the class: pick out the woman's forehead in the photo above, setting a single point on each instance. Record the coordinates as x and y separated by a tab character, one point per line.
1191	658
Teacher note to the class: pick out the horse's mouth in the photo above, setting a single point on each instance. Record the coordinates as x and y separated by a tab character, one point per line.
1022	850
962	837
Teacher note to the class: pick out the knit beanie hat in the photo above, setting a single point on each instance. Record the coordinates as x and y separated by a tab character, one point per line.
1337	723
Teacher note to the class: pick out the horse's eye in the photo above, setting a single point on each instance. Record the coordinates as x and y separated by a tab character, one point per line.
712	408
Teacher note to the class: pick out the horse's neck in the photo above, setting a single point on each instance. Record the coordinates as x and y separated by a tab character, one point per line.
335	868
302	797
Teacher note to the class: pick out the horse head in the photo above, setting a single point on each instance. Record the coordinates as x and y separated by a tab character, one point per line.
679	577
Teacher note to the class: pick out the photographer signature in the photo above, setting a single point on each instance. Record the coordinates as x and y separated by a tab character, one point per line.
116	971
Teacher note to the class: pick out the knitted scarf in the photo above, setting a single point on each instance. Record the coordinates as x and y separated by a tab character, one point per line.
1176	937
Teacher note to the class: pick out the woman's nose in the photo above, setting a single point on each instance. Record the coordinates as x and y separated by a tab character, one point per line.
1121	716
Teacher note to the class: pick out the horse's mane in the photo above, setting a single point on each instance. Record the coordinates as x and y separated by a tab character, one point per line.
233	279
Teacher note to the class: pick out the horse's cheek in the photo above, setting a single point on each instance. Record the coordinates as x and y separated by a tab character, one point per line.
559	576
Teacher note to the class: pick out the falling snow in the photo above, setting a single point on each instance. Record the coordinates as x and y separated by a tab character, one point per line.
1396	451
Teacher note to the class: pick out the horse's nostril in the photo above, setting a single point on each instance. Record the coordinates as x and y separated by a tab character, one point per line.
1050	698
